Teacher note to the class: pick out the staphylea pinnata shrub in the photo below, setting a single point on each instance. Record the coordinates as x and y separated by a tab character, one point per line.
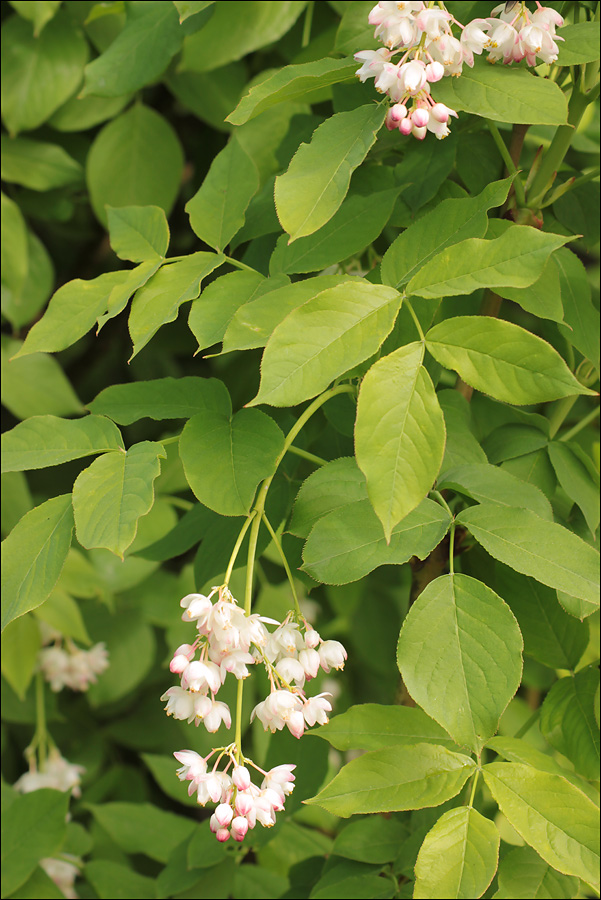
300	366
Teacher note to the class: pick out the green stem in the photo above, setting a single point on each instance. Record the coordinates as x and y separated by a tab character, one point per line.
416	320
580	425
239	265
452	548
238	737
509	163
557	150
170	440
528	724
40	737
560	413
179	502
307	24
252	552
280	550
436	495
304	418
304	454
237	545
474	786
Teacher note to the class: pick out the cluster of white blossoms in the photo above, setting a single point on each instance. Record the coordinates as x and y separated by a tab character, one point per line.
64	664
56	773
228	642
60	775
240	803
423	34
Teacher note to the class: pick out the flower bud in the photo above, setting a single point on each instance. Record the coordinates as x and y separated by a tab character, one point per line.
222	835
434	72
405	126
420	117
241	778
244	803
397	112
223	814
419	133
239	828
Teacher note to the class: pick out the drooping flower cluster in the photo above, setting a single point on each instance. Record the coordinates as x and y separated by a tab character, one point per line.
55	772
423	34
229	641
59	774
240	803
64	664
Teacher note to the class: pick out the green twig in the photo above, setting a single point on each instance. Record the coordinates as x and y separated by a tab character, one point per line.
307	24
280	550
528	724
509	164
304	454
416	320
237	545
580	425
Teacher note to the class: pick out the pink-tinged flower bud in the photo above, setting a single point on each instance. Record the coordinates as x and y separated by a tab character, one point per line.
241	778
434	72
405	126
222	835
244	803
419	133
309	660
178	664
296	723
397	112
441	112
224	814
420	117
214	824
239	828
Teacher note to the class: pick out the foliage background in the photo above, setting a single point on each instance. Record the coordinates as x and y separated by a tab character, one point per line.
120	104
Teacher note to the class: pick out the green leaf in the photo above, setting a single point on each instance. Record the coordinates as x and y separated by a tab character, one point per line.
568	720
505	95
62	613
438	160
81	113
110	879
47	441
126	638
33	827
143	828
489	484
324	338
139	54
458	857
520	751
449	223
34	554
211	315
543	298
514	440
217	209
576	606
460	655
544	550
317	179
399	434
110	496
226	457
344	878
581	318
552	815
255	321
209	95
138	232
406	777
578	477
349	542
21	641
290	84
71	313
201	852
371	726
502	360
161	398
122	292
330	487
36	385
370	840
580	44
39	12
187	8
135	160
39	885
158	302
355	226
248	25
38	165
551	636
39	73
515	259
523	874
14	246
